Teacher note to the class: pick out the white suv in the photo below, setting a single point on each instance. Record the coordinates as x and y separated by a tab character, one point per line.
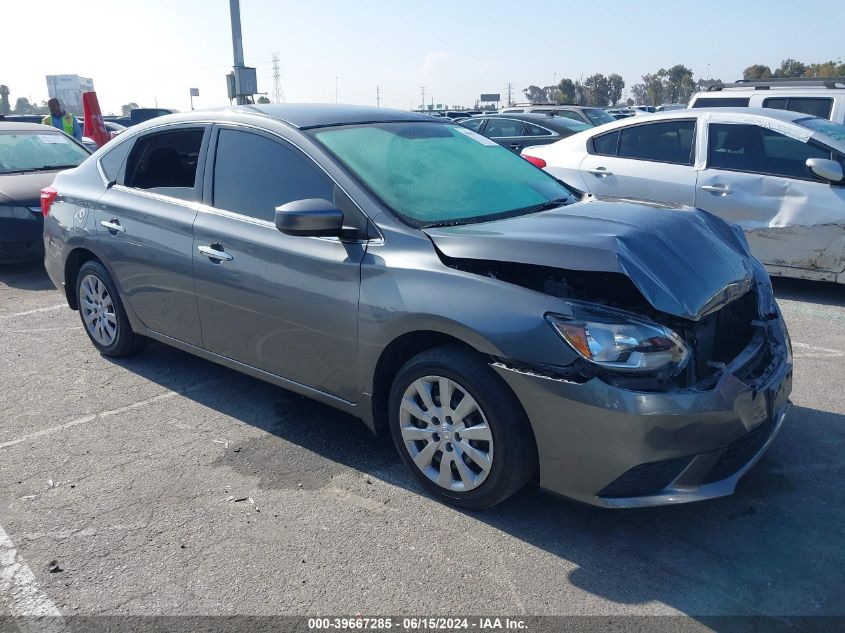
818	96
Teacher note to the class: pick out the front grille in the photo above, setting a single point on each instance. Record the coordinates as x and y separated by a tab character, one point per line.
740	452
646	479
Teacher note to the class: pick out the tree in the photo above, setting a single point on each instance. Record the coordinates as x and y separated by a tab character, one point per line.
4	99
127	108
598	90
651	90
679	84
566	91
757	72
825	69
263	99
615	85
790	68
535	94
23	106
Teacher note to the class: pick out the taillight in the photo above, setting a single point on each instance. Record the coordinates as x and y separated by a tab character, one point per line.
537	162
48	196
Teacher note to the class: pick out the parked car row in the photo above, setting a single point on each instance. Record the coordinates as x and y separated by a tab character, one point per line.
415	273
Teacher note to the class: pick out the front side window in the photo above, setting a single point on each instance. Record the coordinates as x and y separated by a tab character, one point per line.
166	163
815	106
431	174
254	174
665	142
754	149
38	151
504	128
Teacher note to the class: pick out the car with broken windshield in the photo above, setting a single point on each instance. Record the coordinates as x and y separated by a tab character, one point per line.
498	325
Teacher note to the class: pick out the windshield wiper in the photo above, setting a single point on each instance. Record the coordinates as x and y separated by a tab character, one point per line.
551	204
51	167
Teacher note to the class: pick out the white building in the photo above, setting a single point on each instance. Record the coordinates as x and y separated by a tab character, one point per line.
68	90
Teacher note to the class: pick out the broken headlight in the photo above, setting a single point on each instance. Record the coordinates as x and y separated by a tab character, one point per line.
619	340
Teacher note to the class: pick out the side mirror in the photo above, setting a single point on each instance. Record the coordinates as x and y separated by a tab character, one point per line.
312	217
826	169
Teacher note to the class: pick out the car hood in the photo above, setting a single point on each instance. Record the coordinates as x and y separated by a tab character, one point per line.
684	261
24	189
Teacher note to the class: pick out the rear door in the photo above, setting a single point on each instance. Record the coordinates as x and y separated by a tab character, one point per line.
511	133
647	161
287	305
757	178
144	227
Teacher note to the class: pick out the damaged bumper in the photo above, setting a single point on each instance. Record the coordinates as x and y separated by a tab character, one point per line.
615	447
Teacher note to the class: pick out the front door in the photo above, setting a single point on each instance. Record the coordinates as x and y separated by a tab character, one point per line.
287	305
145	229
758	178
646	161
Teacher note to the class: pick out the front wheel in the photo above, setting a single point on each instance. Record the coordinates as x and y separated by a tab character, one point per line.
102	312
459	429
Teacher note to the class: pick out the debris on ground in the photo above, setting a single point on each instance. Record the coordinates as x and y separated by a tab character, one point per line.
53	567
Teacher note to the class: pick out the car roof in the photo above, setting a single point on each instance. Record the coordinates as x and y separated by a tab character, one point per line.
15	126
311	115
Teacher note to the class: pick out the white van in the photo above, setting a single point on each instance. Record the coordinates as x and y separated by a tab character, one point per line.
818	96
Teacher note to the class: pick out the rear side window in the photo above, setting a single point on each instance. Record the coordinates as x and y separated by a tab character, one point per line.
536	130
721	102
113	160
570	114
666	142
166	162
816	106
504	128
754	149
473	124
606	144
254	174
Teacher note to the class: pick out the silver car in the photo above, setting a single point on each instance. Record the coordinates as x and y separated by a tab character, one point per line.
425	279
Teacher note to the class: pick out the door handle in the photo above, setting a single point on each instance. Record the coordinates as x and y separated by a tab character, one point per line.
601	172
215	253
515	146
113	226
722	190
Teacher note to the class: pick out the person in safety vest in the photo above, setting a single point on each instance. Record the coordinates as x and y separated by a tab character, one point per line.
61	120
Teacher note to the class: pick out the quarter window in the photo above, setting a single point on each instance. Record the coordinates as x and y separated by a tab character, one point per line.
816	106
536	130
666	142
166	162
606	144
757	150
254	174
721	102
473	124
504	128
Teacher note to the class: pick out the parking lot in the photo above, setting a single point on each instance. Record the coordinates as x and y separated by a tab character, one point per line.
168	485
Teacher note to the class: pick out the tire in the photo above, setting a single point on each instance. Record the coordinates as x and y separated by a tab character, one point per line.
103	316
496	456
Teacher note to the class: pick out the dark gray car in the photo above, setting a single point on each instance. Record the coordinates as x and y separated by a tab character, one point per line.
423	278
518	131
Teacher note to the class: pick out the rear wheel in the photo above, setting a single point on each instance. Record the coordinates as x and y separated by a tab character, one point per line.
459	429
102	313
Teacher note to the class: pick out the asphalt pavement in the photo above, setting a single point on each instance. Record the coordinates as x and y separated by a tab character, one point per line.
168	485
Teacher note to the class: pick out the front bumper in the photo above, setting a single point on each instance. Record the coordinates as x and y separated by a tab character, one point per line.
615	447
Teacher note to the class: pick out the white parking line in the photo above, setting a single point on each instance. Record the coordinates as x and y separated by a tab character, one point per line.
105	414
805	350
37	310
21	593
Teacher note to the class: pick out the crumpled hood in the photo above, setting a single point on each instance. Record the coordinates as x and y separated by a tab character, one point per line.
25	189
686	262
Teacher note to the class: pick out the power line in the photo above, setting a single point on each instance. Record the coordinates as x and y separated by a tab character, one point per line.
278	93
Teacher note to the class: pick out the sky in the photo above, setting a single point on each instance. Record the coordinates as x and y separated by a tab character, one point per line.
153	51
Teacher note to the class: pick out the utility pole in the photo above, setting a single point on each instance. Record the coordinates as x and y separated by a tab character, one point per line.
242	82
378	97
335	88
278	93
422	107
510	101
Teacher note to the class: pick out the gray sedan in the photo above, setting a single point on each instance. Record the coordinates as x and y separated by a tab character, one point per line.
427	280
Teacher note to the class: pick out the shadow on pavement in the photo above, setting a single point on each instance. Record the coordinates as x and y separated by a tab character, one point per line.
26	276
775	547
821	292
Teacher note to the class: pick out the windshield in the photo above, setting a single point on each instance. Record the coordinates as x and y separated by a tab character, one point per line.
38	151
436	174
598	116
828	128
